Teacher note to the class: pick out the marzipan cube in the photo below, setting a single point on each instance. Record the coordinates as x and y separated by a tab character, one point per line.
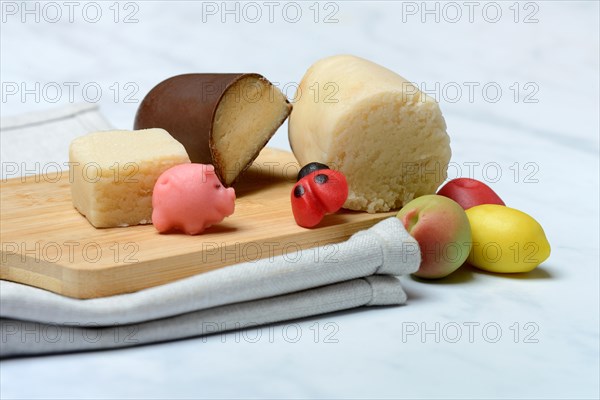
114	172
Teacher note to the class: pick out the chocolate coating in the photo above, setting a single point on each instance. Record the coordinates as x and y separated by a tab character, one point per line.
185	106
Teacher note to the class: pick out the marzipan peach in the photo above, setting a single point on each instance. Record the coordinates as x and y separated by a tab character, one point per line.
442	230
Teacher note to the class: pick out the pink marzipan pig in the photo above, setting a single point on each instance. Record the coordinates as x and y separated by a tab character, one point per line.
190	198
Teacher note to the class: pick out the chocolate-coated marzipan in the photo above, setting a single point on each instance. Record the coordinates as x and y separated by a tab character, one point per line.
185	106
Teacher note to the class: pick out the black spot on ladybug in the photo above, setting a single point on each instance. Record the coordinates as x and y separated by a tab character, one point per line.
321	179
217	186
310	168
299	191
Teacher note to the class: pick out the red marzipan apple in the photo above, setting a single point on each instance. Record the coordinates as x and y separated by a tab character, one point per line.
470	193
442	229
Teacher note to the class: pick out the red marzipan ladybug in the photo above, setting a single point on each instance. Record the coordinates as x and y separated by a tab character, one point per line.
319	191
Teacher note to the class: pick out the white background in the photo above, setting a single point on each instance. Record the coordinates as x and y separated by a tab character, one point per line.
539	150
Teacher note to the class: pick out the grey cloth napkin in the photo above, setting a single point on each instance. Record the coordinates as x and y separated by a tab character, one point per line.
362	273
34	141
359	272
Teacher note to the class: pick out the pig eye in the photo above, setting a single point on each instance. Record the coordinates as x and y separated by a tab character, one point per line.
217	186
321	179
298	191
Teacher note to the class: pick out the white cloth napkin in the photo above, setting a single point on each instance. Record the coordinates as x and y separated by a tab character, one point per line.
362	272
30	141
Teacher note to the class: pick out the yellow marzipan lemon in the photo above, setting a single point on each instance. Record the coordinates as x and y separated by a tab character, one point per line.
505	239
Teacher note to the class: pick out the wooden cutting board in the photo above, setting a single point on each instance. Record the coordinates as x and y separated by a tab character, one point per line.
46	243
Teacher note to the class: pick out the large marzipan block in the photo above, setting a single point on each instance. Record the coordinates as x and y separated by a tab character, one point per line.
385	135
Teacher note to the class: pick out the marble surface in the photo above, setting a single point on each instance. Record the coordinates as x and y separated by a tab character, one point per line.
485	336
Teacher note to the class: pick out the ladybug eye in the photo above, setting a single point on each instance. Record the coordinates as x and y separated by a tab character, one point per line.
321	179
298	191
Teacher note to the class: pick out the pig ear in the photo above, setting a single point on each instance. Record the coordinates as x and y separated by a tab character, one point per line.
208	169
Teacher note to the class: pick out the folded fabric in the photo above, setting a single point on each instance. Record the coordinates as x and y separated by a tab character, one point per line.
20	338
264	291
33	142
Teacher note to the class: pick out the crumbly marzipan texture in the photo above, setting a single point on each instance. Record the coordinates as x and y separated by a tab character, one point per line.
248	115
114	172
386	136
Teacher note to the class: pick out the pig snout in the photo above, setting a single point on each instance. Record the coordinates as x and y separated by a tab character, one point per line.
225	201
